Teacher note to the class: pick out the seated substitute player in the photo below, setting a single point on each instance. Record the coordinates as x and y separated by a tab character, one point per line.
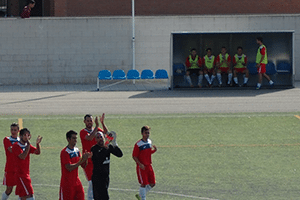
224	66
70	159
22	151
240	66
194	65
209	62
141	154
101	160
10	168
87	136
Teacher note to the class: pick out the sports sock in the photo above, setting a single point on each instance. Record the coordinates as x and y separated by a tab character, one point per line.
245	80
200	78
189	80
143	193
229	78
271	82
219	78
258	85
207	78
148	188
4	196
235	79
90	191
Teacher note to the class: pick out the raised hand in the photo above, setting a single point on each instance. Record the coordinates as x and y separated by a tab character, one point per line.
97	121
39	139
102	118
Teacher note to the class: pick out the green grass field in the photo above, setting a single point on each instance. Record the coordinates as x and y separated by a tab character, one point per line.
200	156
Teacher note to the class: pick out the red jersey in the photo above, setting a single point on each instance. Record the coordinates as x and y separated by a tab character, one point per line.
143	151
22	165
87	144
26	12
69	156
10	165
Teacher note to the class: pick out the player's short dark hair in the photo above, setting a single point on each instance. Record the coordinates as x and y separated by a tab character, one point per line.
87	115
14	124
23	131
239	47
208	49
193	49
145	128
70	133
223	47
31	2
259	39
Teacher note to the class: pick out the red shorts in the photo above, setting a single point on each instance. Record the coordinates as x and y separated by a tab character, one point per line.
262	68
24	187
224	69
240	70
71	192
209	71
10	179
88	170
145	176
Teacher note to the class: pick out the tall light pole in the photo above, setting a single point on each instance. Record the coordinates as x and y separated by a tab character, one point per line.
133	37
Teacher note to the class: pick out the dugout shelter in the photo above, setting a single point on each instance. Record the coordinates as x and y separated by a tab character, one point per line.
280	47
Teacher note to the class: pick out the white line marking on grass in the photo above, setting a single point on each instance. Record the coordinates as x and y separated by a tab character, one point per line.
131	190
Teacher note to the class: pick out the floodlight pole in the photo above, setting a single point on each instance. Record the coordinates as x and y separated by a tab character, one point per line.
133	38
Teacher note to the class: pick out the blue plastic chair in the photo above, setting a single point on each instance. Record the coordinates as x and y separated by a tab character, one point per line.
270	68
147	74
161	74
284	67
178	69
103	75
133	74
119	74
252	68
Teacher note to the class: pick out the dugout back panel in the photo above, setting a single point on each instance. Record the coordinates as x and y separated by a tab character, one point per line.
279	46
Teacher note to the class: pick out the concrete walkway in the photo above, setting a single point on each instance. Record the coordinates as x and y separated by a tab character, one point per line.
142	98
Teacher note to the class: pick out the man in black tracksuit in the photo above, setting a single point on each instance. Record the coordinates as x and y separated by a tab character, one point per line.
101	159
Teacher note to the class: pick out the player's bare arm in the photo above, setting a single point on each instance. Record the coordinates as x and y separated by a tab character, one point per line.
93	133
154	149
139	163
38	146
25	153
105	130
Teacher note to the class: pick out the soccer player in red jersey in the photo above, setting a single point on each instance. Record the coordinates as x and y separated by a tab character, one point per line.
142	151
22	151
70	159
87	136
10	168
224	66
261	62
27	9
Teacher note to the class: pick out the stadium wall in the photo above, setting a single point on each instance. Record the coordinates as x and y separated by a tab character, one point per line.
73	50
